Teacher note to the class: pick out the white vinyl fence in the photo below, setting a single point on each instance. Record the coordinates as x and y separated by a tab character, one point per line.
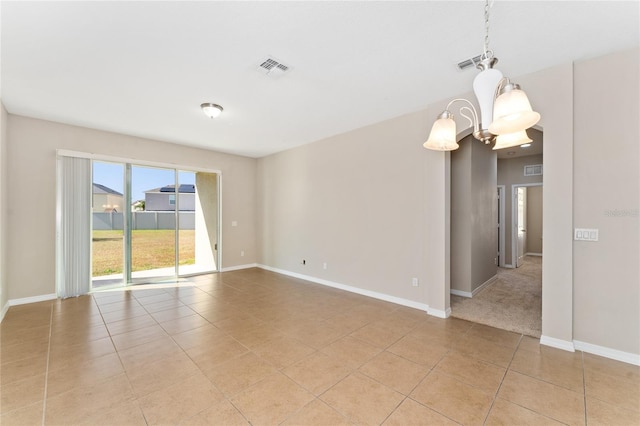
143	220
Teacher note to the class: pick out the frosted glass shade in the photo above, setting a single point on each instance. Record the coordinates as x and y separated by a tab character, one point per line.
442	136
512	112
511	139
211	110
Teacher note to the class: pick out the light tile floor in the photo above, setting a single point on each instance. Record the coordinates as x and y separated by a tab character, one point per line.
255	347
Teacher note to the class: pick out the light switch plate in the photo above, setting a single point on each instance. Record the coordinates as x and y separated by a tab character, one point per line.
585	234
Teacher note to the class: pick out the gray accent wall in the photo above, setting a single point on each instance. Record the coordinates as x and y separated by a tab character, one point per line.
474	215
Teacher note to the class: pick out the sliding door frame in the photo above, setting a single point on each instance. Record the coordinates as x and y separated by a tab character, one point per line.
128	162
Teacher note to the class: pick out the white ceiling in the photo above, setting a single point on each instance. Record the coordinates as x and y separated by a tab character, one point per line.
143	68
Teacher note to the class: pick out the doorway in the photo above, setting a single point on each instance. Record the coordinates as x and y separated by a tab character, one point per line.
520	223
513	300
527	221
501	225
152	223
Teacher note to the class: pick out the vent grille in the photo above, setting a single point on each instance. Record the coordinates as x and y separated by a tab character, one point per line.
533	170
272	67
471	62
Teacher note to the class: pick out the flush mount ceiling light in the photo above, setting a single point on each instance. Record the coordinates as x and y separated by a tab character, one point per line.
211	110
505	111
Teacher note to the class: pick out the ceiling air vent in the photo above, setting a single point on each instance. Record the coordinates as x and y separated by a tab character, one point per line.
533	170
272	67
471	62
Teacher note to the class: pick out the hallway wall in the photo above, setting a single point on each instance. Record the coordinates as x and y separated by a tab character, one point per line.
534	220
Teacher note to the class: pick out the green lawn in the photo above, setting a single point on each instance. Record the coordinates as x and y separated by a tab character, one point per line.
150	249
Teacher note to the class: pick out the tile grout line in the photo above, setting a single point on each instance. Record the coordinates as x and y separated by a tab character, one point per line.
171	336
495	396
408	396
46	372
126	374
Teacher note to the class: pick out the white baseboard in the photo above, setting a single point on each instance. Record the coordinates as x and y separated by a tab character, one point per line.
460	293
565	345
533	254
484	284
239	267
439	312
509	266
5	308
351	289
33	299
627	357
24	301
474	292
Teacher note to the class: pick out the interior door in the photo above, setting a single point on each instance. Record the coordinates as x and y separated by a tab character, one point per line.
521	223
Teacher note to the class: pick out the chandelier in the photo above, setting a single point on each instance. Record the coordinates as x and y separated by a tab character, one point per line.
505	111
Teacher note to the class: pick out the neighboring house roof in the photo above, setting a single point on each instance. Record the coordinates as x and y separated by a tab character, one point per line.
184	188
101	189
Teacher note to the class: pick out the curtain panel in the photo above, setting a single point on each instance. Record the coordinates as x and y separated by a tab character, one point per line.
73	231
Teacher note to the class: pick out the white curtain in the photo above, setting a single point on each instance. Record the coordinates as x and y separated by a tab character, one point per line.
73	251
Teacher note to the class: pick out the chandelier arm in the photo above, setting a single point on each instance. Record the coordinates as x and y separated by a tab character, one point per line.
501	84
473	120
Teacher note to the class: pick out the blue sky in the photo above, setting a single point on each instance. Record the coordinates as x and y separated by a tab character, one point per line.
142	178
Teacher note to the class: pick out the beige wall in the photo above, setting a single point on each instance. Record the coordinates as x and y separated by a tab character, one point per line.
353	201
4	283
511	172
473	215
32	167
606	197
534	220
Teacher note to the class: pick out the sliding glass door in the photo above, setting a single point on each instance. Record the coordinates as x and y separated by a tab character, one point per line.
169	229
108	207
153	230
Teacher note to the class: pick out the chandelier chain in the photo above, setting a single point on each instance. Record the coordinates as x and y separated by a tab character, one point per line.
487	52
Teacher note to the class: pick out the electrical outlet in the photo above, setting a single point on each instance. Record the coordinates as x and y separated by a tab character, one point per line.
241	253
324	265
414	282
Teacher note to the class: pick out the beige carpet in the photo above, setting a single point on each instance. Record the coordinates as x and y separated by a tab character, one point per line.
512	302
